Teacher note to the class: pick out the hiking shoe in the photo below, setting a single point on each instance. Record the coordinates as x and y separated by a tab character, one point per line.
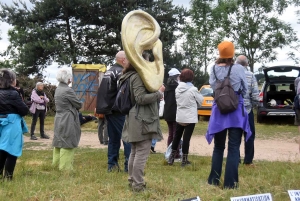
186	163
185	160
114	168
45	136
250	165
32	137
152	150
139	188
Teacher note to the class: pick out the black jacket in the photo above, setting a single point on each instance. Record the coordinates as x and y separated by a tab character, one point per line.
170	103
11	102
108	90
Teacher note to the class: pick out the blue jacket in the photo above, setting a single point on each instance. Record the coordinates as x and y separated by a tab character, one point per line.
12	128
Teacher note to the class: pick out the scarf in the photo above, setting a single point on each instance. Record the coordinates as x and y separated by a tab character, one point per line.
40	93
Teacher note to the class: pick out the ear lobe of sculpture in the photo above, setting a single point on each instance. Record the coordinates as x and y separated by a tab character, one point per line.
140	32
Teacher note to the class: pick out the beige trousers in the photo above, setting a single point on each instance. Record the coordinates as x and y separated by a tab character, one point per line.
137	161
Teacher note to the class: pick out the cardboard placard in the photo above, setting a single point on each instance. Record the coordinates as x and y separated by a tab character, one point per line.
193	199
294	195
258	197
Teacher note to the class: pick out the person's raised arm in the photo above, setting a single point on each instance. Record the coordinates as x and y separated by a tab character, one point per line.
142	97
36	98
73	99
199	98
19	104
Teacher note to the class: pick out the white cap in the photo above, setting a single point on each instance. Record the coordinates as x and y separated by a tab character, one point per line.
173	72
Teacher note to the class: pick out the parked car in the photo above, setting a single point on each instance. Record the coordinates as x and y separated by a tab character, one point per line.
277	92
207	93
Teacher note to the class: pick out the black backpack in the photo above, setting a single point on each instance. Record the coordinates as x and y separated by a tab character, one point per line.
107	91
225	97
123	103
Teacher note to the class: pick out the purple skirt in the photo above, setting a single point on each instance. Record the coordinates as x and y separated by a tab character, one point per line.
219	122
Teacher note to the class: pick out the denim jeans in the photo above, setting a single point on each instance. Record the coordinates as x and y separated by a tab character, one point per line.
153	143
249	145
115	123
231	170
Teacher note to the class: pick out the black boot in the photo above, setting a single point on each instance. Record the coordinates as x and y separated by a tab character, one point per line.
44	136
185	161
8	176
32	137
152	150
172	157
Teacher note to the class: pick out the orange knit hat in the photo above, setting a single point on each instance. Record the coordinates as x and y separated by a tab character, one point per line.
226	50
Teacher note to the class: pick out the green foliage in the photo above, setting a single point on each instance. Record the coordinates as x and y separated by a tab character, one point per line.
255	27
295	52
5	64
71	31
202	35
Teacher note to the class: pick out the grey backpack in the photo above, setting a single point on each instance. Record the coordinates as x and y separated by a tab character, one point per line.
225	97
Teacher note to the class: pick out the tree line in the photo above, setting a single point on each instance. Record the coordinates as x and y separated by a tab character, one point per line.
88	31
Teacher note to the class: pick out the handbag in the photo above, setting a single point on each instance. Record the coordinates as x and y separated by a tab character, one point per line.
40	107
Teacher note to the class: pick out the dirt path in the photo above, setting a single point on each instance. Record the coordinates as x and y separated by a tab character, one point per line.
271	150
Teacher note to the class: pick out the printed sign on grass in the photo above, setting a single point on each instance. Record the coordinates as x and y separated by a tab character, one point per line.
258	197
294	195
193	199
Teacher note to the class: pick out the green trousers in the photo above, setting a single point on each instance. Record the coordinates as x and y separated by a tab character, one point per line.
63	158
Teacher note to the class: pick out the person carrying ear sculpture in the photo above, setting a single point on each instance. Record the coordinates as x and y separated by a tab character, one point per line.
140	32
141	139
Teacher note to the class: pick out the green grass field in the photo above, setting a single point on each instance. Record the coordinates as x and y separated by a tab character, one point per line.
35	179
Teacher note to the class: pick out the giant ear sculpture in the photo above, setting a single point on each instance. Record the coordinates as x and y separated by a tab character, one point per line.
140	32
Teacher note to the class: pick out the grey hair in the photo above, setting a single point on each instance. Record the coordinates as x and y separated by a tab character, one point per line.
243	62
38	84
7	77
64	75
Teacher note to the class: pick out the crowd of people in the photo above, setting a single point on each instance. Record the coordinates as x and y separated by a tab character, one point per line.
139	130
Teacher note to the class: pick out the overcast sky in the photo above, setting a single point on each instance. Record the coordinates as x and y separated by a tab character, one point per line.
288	16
